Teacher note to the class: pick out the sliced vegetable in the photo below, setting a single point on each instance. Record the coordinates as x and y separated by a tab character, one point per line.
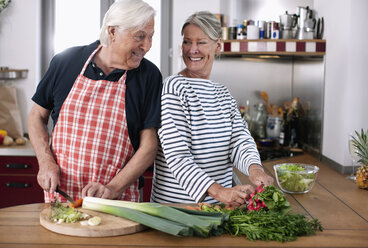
60	213
171	220
78	202
94	221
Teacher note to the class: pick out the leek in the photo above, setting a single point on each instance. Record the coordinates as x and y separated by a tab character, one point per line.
168	219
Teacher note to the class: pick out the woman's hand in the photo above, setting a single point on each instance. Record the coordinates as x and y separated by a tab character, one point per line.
99	190
235	196
257	176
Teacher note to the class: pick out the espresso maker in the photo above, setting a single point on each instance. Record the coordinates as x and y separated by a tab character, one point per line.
287	25
306	23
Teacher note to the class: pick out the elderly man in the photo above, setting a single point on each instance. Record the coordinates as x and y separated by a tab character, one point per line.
104	100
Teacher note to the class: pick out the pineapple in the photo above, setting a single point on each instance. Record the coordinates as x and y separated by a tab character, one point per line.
361	144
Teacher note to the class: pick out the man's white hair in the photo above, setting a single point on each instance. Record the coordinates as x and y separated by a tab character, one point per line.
125	14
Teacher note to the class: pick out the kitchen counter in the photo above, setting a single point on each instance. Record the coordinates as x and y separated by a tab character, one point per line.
17	150
335	201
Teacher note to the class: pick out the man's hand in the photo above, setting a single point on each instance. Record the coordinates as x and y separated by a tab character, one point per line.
48	176
99	190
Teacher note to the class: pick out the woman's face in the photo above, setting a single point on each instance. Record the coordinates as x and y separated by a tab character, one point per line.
198	51
130	46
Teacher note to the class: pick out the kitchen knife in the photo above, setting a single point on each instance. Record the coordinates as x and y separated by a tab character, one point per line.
65	195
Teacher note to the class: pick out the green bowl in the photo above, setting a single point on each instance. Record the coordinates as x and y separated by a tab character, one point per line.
295	177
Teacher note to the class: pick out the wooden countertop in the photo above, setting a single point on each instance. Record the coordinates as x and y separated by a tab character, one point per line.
341	207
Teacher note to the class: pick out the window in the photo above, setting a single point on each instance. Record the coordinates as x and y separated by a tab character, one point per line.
77	22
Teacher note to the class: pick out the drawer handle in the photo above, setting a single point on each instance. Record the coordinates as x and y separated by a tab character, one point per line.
17	166
17	185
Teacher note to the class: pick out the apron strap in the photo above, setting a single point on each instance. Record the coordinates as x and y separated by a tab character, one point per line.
122	78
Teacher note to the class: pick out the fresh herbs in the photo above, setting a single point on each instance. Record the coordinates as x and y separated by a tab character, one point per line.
267	225
267	217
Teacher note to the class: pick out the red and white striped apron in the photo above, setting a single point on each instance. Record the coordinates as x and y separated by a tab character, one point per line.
90	140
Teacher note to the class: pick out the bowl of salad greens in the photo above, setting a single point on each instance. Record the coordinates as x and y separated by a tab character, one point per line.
295	177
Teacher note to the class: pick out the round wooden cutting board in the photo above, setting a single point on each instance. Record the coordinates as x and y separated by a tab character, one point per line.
110	225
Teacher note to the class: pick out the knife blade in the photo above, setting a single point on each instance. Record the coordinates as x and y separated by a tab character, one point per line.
65	195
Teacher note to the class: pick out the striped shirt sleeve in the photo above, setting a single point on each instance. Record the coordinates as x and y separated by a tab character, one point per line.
175	137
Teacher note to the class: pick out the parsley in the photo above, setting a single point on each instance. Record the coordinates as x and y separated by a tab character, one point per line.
268	225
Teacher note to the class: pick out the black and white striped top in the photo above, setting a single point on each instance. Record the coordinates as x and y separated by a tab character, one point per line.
202	136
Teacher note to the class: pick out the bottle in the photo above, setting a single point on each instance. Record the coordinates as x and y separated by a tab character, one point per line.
294	129
240	34
284	131
260	122
246	116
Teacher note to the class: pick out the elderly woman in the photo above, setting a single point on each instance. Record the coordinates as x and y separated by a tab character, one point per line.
104	100
202	134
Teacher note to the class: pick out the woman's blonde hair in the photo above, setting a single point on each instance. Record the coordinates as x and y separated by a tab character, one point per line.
125	14
207	21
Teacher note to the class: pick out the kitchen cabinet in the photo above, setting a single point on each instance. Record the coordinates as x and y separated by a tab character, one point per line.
289	47
18	181
148	175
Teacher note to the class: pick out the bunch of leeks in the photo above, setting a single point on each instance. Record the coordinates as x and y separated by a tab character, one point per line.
172	220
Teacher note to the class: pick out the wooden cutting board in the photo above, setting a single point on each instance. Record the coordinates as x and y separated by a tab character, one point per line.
110	225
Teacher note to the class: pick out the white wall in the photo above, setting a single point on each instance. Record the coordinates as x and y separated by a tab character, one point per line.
20	47
346	85
181	11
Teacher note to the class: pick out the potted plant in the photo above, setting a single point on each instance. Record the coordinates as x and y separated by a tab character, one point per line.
361	145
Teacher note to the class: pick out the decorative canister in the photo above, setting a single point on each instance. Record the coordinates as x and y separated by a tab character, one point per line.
225	33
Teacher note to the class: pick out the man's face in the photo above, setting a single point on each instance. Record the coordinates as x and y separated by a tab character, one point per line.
131	45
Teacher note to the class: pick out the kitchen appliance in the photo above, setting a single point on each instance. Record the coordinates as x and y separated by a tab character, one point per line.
306	23
287	24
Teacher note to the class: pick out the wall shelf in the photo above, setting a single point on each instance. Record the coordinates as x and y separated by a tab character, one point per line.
287	47
7	74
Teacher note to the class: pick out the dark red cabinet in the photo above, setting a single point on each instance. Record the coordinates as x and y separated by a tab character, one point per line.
18	181
147	184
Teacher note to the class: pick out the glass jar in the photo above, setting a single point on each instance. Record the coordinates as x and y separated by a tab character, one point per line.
273	127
